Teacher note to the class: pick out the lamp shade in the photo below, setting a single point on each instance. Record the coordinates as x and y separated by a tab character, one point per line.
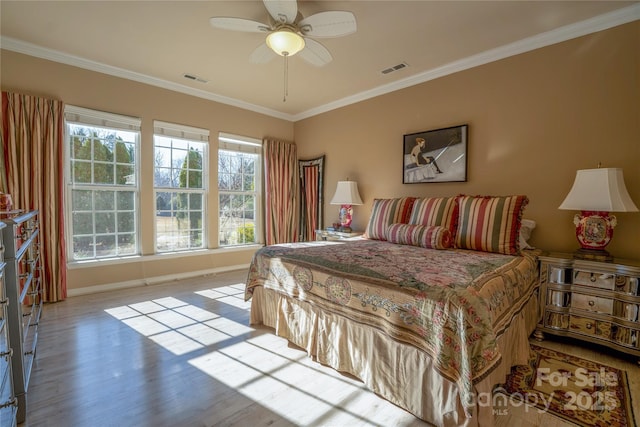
601	190
346	194
285	42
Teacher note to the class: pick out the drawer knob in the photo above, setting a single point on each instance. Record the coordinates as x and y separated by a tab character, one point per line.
592	303
593	278
589	325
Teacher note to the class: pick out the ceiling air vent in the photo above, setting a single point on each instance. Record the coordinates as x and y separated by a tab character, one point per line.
400	66
195	78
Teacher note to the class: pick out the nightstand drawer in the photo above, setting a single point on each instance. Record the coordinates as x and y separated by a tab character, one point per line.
626	336
591	303
584	325
594	279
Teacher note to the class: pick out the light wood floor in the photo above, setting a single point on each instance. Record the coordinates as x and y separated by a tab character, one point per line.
183	354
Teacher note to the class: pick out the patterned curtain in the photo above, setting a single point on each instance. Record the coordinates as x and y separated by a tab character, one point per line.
311	197
281	192
32	145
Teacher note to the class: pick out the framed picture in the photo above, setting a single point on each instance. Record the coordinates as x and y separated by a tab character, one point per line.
438	155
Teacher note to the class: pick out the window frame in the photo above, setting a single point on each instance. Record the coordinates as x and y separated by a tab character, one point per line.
188	134
79	116
244	144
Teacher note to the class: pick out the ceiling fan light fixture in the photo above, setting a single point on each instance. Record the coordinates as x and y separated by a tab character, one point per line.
285	42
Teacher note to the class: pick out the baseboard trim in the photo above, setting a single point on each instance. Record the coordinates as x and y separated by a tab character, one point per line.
148	281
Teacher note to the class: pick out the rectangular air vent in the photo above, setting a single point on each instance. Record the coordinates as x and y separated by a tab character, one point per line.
195	78
400	66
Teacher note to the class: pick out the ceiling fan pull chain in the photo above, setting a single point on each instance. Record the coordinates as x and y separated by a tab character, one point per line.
286	77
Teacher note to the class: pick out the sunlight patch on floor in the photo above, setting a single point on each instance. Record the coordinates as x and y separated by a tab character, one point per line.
178	326
264	370
232	295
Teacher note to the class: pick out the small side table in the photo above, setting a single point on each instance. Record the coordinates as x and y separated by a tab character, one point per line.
337	235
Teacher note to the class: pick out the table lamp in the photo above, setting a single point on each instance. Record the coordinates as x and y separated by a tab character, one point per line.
346	195
595	193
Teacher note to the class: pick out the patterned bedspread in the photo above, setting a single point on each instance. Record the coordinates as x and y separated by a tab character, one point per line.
452	304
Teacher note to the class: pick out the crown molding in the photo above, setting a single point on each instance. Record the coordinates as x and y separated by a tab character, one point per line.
568	32
31	49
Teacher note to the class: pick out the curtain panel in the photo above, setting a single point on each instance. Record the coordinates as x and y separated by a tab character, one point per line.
32	145
281	191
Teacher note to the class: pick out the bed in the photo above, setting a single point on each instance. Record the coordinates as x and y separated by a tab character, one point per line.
425	320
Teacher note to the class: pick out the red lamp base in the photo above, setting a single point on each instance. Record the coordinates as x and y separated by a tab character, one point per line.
594	231
345	217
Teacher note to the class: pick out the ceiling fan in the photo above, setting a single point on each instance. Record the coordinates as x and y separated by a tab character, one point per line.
289	33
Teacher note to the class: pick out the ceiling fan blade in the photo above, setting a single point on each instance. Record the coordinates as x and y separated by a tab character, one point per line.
329	24
238	24
314	53
262	54
282	10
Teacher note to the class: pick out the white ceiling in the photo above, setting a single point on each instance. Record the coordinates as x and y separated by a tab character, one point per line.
157	42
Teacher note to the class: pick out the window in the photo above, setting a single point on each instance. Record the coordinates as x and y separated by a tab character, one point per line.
102	183
180	165
239	189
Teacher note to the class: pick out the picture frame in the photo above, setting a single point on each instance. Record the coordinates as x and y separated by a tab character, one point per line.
438	155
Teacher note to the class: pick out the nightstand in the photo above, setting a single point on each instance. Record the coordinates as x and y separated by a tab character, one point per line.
593	301
337	235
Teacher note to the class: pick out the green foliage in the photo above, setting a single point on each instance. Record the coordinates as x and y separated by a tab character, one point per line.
246	234
103	220
190	177
101	159
191	172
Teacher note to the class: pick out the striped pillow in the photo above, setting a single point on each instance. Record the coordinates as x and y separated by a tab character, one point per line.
386	212
441	211
430	237
490	224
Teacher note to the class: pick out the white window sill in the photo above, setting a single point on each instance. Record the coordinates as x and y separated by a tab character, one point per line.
72	265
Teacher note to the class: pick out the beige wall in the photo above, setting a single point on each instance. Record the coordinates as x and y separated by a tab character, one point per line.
534	119
75	86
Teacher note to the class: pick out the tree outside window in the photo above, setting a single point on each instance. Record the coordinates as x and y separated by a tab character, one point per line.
238	195
179	190
103	191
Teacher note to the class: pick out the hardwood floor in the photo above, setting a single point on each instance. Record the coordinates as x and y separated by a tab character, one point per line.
183	354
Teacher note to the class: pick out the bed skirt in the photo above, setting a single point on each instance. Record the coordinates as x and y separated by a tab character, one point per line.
396	371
